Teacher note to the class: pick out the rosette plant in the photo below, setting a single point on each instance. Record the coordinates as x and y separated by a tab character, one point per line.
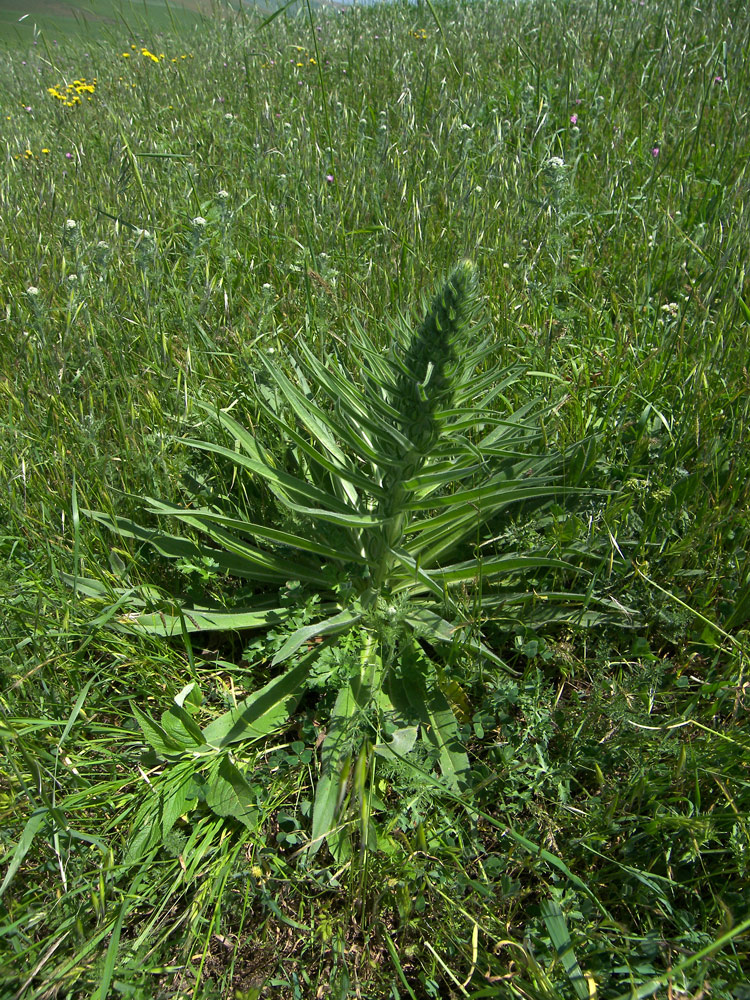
386	486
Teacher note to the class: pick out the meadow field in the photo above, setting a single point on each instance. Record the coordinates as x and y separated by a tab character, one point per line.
374	484
22	20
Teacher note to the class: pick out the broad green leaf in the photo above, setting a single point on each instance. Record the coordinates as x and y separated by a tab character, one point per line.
190	695
181	727
229	795
178	795
162	742
400	744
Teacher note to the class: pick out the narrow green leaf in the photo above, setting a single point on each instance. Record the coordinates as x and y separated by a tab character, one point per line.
281	482
331	626
201	516
476	569
75	711
21	849
439	726
442	732
438	630
336	761
263	712
285	487
158	623
317	422
245	559
492	496
338	749
560	937
110	958
253	564
147	833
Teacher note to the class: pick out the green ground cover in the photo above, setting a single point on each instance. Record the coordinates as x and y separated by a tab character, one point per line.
19	20
489	572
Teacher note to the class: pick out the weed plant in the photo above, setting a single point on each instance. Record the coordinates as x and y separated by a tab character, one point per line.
194	249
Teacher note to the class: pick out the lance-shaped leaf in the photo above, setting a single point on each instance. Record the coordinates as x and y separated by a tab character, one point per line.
341	622
205	518
338	747
263	712
438	723
203	620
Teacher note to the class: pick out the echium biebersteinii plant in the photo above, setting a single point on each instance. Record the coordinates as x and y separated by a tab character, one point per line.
423	385
390	484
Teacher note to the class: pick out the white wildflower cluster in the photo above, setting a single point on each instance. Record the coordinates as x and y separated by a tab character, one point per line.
71	237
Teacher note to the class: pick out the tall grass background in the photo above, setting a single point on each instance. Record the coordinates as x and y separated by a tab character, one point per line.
256	183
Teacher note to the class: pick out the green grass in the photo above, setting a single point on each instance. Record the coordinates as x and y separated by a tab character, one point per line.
22	22
266	186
